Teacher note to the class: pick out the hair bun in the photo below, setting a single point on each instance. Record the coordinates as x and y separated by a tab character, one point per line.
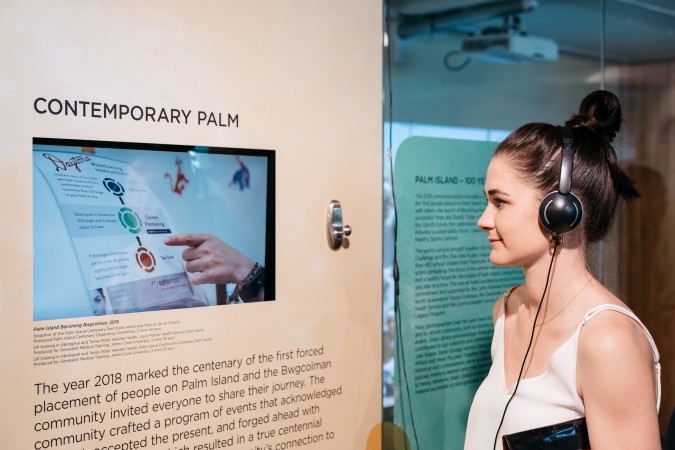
601	111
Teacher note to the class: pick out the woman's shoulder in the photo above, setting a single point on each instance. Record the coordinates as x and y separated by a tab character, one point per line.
613	340
610	327
609	324
500	305
618	375
606	315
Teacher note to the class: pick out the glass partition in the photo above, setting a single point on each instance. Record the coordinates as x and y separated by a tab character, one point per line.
475	69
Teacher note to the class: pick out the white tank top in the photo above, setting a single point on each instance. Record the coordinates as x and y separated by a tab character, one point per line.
545	399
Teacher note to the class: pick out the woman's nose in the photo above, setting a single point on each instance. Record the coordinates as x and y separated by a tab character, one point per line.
485	221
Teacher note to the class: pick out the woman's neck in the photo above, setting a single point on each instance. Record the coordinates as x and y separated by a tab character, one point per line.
568	273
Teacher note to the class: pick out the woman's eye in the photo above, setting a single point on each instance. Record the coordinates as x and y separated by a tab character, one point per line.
498	202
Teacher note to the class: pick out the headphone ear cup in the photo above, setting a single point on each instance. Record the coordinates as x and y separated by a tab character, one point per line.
560	213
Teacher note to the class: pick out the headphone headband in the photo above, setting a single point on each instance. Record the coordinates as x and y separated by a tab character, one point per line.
567	161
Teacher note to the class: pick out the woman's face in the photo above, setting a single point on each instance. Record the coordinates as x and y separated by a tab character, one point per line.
98	303
511	217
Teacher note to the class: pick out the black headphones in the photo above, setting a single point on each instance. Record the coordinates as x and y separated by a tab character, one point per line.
561	210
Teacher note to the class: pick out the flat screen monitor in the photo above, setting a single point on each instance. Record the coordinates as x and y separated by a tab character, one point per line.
117	227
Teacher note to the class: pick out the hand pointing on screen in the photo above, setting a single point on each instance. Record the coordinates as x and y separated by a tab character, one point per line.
216	262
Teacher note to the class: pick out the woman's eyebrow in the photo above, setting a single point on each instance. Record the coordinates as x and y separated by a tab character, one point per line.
496	191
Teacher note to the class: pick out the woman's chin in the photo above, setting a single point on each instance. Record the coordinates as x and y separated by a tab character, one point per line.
499	259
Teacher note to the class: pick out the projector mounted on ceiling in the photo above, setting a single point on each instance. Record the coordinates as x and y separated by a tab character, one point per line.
510	47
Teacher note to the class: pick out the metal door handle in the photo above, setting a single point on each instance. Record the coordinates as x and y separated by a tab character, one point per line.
336	230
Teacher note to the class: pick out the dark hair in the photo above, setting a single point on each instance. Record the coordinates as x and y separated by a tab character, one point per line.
534	150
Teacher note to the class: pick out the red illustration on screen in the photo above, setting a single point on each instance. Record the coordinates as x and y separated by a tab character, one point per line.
181	179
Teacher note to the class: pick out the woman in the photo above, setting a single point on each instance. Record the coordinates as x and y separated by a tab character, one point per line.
590	356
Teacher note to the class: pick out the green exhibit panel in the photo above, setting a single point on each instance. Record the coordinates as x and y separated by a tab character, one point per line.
447	287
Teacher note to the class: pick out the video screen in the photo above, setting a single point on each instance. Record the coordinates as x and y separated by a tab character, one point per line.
131	227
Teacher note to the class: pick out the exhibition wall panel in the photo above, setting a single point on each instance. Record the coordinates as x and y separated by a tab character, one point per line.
145	143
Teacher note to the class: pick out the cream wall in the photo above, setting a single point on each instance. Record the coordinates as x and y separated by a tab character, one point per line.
305	80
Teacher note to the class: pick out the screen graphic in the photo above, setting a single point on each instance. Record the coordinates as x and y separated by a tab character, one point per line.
102	212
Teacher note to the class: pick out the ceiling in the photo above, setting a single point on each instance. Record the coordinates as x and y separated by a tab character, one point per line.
635	30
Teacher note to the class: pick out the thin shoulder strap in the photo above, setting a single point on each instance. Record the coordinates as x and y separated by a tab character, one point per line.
609	307
655	352
505	298
507	294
